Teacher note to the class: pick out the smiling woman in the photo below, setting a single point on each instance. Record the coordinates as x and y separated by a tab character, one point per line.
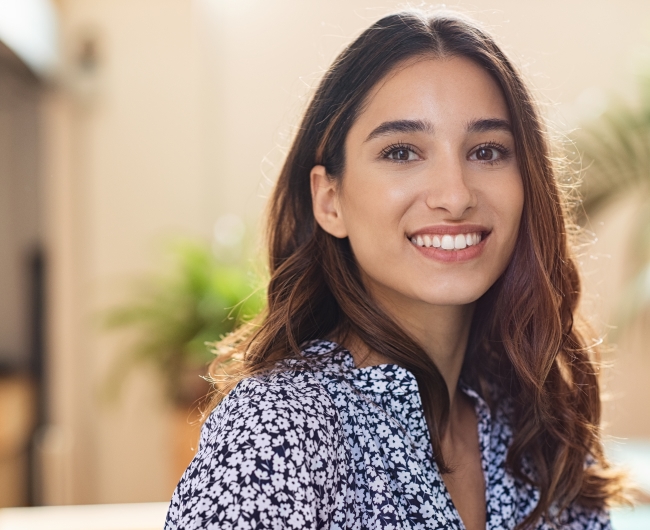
420	363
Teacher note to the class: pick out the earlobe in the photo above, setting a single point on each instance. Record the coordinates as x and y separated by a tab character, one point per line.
325	202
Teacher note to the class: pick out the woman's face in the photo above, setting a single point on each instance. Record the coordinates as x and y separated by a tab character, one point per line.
431	196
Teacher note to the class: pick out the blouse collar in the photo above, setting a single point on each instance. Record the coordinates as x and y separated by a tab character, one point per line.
389	379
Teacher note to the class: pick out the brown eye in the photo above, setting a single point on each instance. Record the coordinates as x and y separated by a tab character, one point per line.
485	153
491	153
400	154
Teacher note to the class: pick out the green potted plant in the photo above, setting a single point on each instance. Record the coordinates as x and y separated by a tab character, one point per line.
175	314
178	312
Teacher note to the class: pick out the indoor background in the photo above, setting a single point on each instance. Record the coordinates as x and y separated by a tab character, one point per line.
136	133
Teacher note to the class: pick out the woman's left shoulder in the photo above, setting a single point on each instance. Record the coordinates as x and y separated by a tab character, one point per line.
577	517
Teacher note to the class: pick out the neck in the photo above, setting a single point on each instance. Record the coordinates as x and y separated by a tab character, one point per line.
441	331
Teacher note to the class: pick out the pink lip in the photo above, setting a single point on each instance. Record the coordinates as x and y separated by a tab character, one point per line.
448	256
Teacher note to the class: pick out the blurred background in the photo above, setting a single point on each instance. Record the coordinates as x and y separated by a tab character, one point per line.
138	142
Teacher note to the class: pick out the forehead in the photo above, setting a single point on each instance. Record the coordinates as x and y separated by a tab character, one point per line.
447	92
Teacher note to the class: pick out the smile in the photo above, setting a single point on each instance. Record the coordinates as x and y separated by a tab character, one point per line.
448	241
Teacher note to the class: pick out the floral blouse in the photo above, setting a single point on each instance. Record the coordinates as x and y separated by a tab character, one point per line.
323	444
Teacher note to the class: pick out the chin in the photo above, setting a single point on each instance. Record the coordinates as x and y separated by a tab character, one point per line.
450	297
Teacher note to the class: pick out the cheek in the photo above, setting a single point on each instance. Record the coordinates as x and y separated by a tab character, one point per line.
511	204
371	204
373	213
516	200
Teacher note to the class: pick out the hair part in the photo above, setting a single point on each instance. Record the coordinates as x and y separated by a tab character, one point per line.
525	340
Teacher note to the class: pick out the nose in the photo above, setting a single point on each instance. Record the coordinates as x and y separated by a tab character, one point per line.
448	188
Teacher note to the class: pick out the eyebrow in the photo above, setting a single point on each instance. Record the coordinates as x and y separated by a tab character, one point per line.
400	126
489	124
414	126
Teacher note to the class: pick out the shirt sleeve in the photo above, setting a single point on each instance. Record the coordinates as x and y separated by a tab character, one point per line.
270	456
576	517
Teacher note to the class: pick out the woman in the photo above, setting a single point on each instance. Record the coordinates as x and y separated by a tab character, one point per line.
420	363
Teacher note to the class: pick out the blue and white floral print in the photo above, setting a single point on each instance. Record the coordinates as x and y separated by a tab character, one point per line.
323	444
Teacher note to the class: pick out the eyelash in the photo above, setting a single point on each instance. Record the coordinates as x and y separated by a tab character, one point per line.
505	152
397	147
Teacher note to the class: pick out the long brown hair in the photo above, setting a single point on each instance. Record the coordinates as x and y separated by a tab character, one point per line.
525	339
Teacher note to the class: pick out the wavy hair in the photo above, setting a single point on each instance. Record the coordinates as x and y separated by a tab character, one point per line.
525	338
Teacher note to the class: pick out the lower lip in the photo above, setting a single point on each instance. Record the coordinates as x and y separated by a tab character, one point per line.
453	256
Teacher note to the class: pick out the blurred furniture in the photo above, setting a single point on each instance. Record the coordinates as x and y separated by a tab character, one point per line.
145	516
17	410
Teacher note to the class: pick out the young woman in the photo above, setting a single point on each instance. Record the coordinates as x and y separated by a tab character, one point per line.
420	363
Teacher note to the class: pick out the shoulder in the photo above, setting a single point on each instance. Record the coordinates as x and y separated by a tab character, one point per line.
271	452
577	517
292	398
278	403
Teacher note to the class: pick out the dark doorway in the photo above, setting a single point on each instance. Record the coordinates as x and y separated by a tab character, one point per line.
22	274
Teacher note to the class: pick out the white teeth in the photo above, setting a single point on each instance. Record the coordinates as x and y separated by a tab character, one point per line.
447	241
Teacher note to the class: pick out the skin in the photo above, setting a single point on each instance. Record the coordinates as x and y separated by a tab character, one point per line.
441	174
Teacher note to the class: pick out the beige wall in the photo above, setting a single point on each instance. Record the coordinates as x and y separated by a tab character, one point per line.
126	168
186	119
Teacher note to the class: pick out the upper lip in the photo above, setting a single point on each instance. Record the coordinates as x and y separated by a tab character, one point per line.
449	229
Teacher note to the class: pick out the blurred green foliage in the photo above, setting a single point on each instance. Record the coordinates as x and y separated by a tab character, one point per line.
175	312
615	151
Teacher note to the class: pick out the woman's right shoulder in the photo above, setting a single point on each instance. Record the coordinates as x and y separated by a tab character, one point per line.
288	400
271	454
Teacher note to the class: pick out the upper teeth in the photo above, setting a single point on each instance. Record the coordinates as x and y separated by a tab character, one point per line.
447	241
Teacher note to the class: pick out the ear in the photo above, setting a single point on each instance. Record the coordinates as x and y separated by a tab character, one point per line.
325	202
